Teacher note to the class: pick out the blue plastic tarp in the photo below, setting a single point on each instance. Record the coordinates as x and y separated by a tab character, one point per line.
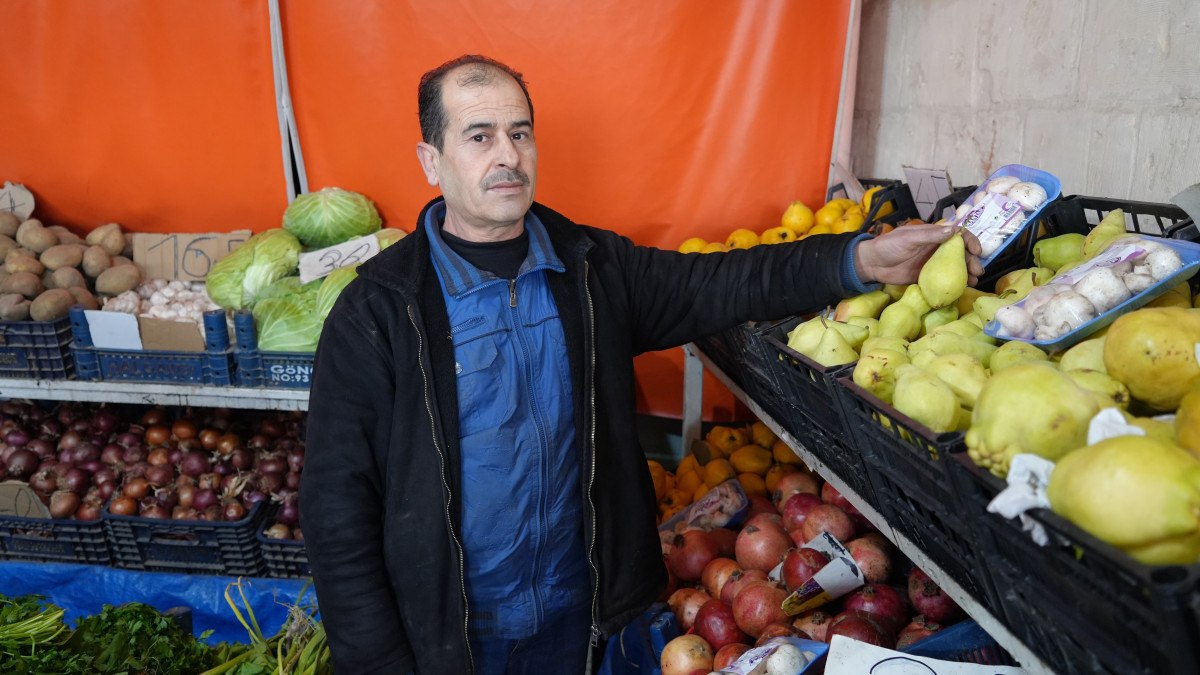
83	590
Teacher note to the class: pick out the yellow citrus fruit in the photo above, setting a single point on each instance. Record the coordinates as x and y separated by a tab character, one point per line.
724	440
675	498
700	492
718	471
687	464
776	472
762	435
753	484
783	453
688	481
741	238
852	219
778	235
885	209
798	218
693	245
658	476
751	459
714	247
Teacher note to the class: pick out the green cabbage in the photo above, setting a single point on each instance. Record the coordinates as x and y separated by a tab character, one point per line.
389	236
236	280
330	216
287	286
332	287
289	323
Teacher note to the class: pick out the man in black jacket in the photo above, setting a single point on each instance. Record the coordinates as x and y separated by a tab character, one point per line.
474	498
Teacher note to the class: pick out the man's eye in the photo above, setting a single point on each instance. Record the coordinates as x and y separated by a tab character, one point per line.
479	138
519	136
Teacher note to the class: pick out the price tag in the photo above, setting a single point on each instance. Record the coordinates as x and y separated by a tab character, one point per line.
183	256
16	199
18	499
320	263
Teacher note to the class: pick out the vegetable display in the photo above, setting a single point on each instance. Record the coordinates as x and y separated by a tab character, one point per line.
235	281
330	216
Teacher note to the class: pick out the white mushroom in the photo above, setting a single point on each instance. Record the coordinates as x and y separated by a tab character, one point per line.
1137	282
1028	195
1103	288
1163	262
1015	322
1062	314
1040	295
962	210
1002	184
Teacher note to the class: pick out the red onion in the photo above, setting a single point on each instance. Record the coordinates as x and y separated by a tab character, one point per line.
136	488
41	447
212	513
270	428
66	456
252	497
63	504
258	442
159	476
223	468
92	466
155	512
106	490
271	464
104	421
184	479
297	534
165	498
241	459
133	454
234	511
289	512
292	481
187	495
270	482
129	439
136	470
49	428
204	499
278	531
123	506
88	511
44	481
76	480
85	452
295	460
175	454
209	481
16	438
194	463
80	426
158	456
112	454
232	483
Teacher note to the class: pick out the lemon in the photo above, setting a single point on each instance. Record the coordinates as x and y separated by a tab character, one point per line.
693	245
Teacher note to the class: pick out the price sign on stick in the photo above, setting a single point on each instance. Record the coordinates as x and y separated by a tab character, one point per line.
183	256
16	199
320	263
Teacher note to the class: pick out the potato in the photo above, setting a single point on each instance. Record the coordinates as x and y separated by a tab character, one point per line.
109	237
95	261
66	277
128	250
20	260
84	297
3	274
64	235
121	260
51	305
25	283
62	255
33	236
9	222
117	280
14	307
7	243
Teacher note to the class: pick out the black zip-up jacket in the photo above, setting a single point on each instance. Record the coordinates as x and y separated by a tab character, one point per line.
380	497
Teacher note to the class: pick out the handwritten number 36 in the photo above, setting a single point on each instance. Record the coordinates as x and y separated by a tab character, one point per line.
334	258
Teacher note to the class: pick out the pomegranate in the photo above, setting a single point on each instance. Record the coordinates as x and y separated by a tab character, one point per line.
800	564
716	573
726	540
790	484
830	495
795	510
760	504
918	629
859	627
686	654
815	623
882	603
728	654
930	600
761	548
765	520
672	581
775	630
715	623
757	606
690	552
874	560
739	580
685	602
828	518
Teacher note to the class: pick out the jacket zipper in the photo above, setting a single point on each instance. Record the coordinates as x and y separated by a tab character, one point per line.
446	484
591	419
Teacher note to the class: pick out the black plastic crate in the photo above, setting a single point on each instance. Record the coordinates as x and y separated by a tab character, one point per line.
735	352
36	349
808	388
846	461
951	201
894	192
256	368
909	468
284	558
1084	606
213	366
187	546
47	540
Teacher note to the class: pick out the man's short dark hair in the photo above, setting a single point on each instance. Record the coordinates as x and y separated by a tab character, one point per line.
429	91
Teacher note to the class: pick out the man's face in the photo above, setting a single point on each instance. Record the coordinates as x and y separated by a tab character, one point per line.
487	168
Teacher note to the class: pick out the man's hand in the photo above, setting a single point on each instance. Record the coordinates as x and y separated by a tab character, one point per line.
897	257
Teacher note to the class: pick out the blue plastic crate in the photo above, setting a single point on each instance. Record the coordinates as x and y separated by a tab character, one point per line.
256	368
47	540
964	642
188	546
214	365
637	648
36	349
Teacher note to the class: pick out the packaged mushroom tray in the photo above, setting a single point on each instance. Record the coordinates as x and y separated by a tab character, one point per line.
1010	200
1080	300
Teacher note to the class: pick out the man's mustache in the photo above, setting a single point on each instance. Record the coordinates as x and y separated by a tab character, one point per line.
506	176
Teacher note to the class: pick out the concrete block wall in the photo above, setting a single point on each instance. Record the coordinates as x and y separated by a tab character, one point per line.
1105	94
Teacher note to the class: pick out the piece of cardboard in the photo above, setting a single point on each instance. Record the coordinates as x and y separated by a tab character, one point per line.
927	187
176	336
16	199
113	330
848	656
183	255
18	499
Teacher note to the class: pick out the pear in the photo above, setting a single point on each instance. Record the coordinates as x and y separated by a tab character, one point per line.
1138	493
914	300
1060	251
938	317
966	301
868	304
963	327
876	371
1087	355
872	325
1187	422
899	320
894	291
1101	383
1024	280
963	373
943	277
1014	352
973	318
1029	407
1155	428
833	349
986	306
930	346
1153	351
926	399
805	336
1110	228
885	342
854	334
1179	295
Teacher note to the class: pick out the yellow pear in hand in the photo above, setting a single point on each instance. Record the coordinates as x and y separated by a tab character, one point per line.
943	277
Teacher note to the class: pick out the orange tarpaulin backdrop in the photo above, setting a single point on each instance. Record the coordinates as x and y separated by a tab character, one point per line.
660	120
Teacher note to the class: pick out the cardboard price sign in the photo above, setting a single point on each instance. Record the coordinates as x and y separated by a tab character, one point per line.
321	262
18	499
16	199
183	256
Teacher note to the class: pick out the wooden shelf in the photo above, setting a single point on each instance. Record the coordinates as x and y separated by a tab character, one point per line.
156	394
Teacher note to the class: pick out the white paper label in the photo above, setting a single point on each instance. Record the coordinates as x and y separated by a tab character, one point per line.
16	199
1113	255
837	578
320	263
993	220
848	656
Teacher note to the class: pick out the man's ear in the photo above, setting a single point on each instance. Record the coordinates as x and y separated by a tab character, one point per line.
428	156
